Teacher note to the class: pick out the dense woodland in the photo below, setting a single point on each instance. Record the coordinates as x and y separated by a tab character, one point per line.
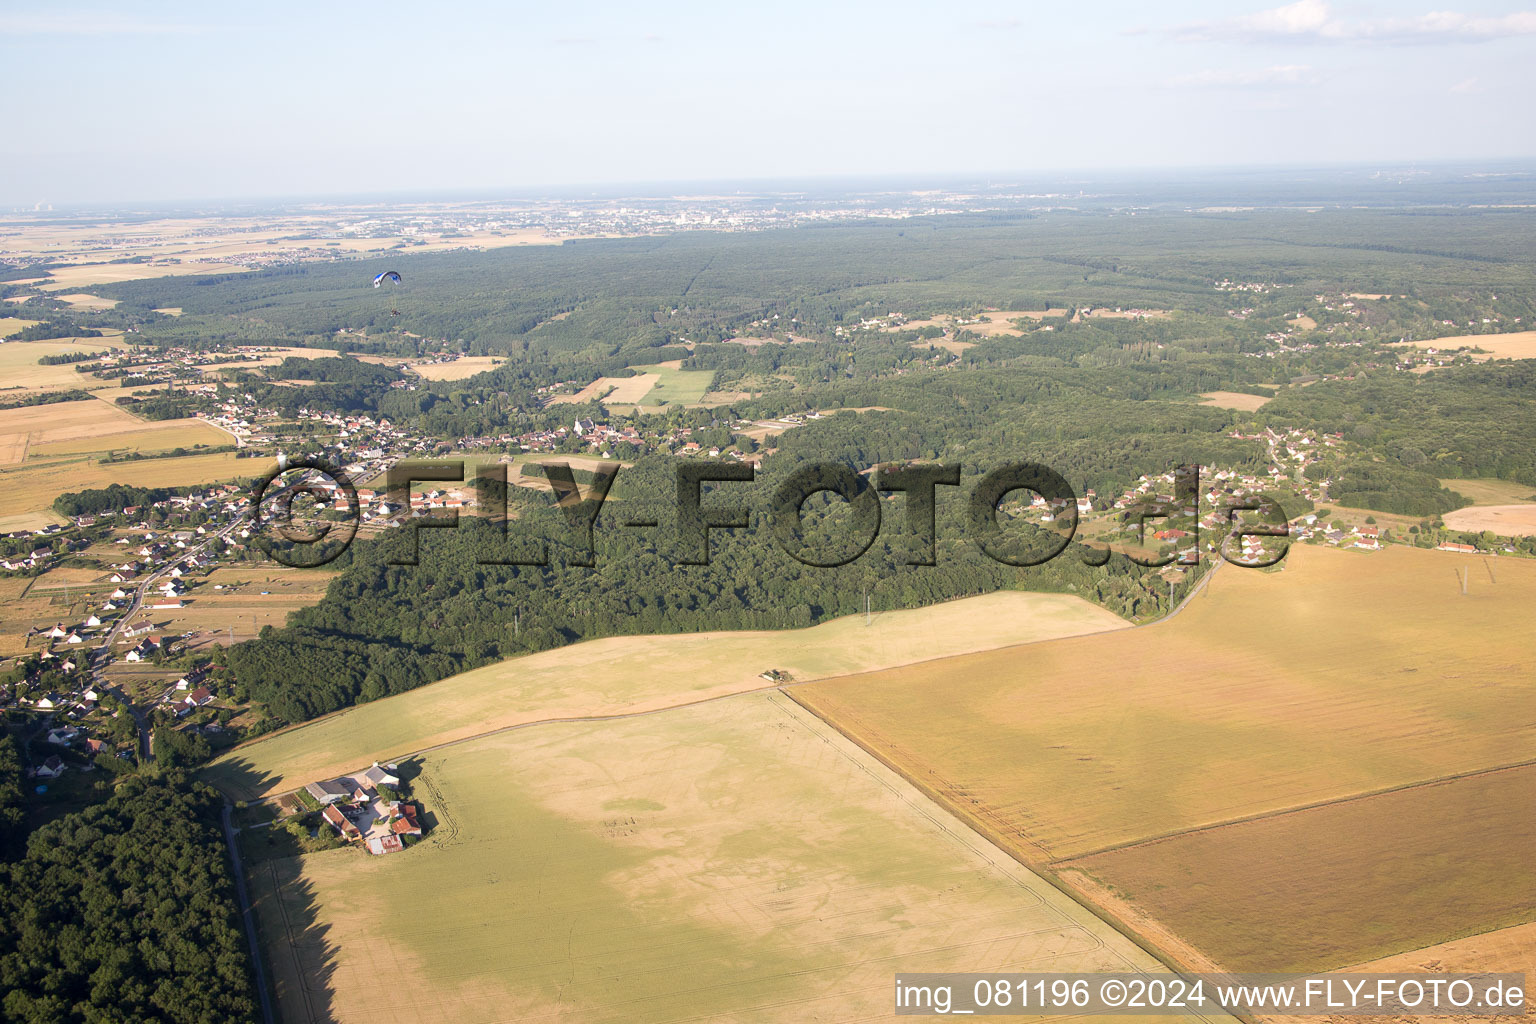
124	911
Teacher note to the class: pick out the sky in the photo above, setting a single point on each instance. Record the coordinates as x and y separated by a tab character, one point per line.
171	102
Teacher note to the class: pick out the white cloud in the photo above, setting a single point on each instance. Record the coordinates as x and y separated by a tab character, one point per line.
83	23
1467	87
1278	76
1314	21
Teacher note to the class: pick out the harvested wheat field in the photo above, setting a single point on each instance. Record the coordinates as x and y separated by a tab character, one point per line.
20	370
86	274
86	301
735	861
1504	520
1516	345
1504	951
1234	400
1342	674
1325	887
627	674
953	347
155	436
13	449
1000	321
1489	491
32	486
9	325
458	369
618	389
68	421
252	597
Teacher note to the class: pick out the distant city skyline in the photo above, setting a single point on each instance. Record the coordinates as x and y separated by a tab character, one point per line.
177	102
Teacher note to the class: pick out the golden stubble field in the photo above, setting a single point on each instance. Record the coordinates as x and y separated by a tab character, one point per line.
1234	400
735	861
47	450
1515	345
1329	886
1345	674
1503	520
21	374
31	487
622	675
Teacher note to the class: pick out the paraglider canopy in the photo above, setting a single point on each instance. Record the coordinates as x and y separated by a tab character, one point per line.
388	275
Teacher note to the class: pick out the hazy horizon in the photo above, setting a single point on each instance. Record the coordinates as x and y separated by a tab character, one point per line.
175	103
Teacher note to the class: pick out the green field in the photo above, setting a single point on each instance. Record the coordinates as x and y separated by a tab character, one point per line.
627	674
676	386
734	861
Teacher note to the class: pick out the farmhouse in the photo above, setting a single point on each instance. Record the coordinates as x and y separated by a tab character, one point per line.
340	823
404	821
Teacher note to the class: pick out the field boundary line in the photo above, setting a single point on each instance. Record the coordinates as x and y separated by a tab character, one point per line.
1439	780
1043	870
296	726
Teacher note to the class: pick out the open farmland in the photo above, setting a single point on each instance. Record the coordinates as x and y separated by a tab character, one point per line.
734	861
1492	492
998	322
1080	744
20	371
622	675
1234	400
156	436
67	421
609	389
1504	520
86	301
20	610
9	325
1329	886
1063	749
673	384
32	486
458	369
1516	345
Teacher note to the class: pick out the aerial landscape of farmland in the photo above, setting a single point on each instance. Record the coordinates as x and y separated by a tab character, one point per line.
517	513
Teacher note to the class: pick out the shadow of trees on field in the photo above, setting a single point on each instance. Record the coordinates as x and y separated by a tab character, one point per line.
301	959
237	778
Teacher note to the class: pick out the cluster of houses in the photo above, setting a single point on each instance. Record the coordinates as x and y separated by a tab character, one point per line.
67	737
353	807
188	694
